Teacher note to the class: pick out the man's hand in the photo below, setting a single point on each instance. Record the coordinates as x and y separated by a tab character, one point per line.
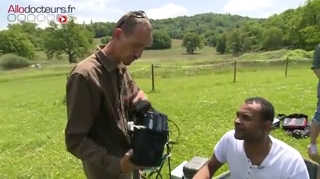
126	165
139	96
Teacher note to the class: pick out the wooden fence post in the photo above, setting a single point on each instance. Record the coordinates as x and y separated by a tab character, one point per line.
286	68
152	77
235	71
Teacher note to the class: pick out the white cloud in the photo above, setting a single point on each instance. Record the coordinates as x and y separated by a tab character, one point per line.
236	6
166	11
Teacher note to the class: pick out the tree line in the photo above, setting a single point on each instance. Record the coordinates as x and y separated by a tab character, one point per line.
292	29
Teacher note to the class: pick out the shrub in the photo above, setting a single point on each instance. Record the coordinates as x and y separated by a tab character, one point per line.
310	54
298	54
12	61
105	40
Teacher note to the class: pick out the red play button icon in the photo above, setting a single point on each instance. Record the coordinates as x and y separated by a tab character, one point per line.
62	19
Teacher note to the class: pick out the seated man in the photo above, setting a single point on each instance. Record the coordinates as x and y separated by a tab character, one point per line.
251	152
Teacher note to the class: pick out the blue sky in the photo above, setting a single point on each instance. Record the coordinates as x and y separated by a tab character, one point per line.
111	10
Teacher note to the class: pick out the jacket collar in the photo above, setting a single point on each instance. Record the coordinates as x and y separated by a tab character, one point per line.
107	62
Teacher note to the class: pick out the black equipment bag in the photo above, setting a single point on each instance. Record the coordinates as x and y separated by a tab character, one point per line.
193	166
148	142
295	121
298	133
148	148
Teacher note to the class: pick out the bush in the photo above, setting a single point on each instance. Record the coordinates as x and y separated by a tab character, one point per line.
105	40
310	54
12	61
298	54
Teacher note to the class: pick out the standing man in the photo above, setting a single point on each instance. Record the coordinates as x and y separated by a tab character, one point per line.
251	152
100	92
315	125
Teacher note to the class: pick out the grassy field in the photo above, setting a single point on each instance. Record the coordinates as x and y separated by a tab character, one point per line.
33	117
201	99
177	55
170	59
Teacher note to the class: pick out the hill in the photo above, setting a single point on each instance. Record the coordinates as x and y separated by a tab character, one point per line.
243	37
177	27
291	29
210	34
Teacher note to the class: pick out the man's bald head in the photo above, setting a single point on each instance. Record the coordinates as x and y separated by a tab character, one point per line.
133	33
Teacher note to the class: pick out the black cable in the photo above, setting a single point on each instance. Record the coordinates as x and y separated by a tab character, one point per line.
176	141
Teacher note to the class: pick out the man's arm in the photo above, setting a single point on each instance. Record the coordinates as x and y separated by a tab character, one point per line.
316	61
218	158
82	107
208	170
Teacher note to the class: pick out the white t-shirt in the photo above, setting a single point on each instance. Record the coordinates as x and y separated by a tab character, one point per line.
282	162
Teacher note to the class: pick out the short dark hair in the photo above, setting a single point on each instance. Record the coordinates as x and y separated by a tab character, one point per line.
129	20
267	109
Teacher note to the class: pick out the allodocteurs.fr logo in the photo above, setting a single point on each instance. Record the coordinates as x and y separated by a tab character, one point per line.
39	14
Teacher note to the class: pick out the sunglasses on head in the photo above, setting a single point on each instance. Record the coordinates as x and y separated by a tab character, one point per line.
135	14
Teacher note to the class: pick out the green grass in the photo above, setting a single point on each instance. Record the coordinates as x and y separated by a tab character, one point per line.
183	65
201	102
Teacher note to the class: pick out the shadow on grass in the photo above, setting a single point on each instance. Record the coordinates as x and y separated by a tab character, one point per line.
190	53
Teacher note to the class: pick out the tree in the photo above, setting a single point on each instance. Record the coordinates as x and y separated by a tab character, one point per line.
210	38
31	31
161	40
16	43
272	38
191	41
221	44
310	24
297	28
234	41
72	39
101	29
106	39
311	36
